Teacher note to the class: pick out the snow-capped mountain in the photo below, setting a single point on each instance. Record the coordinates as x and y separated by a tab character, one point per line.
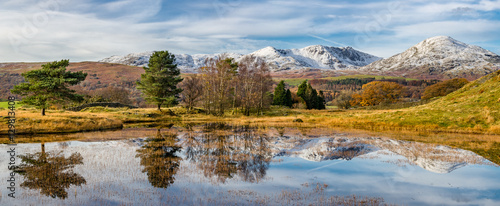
322	57
440	55
185	62
133	59
318	56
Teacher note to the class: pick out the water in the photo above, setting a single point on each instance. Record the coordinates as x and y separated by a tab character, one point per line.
218	164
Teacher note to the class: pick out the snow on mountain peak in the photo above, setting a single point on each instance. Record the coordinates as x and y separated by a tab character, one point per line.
267	52
440	55
317	56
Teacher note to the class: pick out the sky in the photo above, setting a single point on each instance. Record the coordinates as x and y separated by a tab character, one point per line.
90	30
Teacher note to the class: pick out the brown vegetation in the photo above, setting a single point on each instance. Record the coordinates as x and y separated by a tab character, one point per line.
227	84
443	88
377	92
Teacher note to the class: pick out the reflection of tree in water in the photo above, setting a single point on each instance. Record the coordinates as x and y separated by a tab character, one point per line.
158	156
50	172
223	151
257	155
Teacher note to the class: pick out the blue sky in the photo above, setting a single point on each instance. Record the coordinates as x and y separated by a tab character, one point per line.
89	30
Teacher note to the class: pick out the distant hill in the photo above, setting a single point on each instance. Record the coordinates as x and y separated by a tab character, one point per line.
100	75
439	57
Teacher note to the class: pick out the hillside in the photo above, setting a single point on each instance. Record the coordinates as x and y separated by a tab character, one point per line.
440	57
473	108
100	75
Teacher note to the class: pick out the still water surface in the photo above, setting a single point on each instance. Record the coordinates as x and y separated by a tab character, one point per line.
219	164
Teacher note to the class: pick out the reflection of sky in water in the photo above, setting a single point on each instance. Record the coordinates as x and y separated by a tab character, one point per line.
114	177
400	185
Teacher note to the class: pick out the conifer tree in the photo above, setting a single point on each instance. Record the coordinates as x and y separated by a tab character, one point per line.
49	85
279	94
310	96
288	98
159	82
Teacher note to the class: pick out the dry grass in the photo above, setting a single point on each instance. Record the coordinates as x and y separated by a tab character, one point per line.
31	122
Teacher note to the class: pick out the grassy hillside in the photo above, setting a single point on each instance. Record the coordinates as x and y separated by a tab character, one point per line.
473	107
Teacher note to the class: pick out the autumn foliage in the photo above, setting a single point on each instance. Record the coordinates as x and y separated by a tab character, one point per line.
378	92
444	88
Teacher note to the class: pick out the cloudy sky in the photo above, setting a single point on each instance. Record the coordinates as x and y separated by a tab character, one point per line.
89	30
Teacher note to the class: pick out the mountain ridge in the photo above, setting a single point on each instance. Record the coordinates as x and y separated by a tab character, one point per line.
315	56
439	55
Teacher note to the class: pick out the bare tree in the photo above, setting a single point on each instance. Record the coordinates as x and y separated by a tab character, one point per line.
255	83
115	94
225	84
217	79
192	90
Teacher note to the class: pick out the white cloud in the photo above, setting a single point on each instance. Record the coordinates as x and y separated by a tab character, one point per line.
464	30
85	30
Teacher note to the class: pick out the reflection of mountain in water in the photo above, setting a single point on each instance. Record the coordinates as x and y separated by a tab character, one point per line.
438	159
321	149
222	152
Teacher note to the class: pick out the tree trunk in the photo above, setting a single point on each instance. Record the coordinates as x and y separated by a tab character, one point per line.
159	107
43	111
43	157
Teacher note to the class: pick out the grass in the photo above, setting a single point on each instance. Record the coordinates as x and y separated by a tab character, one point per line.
5	105
474	108
29	121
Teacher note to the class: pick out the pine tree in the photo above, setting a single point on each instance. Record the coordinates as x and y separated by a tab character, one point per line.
159	82
279	94
288	98
49	85
310	96
302	89
321	100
